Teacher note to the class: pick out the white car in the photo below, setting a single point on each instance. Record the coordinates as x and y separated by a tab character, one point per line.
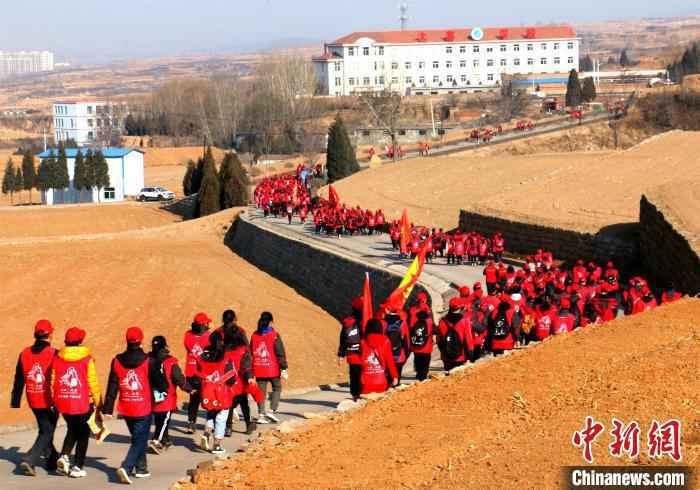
155	194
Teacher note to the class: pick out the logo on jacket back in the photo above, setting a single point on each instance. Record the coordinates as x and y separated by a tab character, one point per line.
70	379
213	377
197	350
131	381
262	355
36	374
373	363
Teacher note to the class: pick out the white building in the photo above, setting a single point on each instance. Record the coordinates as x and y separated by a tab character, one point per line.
86	122
443	61
25	62
125	177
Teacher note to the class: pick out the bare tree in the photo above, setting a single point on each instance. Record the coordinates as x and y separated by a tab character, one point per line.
384	109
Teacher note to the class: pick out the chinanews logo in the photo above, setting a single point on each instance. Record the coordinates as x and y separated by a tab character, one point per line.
36	374
70	379
131	381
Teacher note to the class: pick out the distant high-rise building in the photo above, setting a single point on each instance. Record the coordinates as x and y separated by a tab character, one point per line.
24	62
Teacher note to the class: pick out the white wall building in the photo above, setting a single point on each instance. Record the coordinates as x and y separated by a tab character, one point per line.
86	122
25	62
440	61
125	177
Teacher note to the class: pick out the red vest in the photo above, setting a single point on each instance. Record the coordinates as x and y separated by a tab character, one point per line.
543	326
170	402
373	378
35	368
265	363
235	357
215	395
134	390
563	324
195	345
71	393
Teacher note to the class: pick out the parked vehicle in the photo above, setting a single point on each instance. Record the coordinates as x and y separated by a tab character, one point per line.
155	194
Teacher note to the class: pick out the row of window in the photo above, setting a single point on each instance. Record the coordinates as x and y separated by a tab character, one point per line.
378	65
408	80
379	51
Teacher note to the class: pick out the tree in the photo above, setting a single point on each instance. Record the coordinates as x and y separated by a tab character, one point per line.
687	64
80	177
90	182
61	178
341	160
187	179
131	125
233	182
384	109
197	176
573	90
46	173
624	58
101	174
8	180
19	182
586	63
588	90
208	197
29	173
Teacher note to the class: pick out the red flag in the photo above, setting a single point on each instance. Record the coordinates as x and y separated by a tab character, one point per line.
333	197
398	298
367	307
405	230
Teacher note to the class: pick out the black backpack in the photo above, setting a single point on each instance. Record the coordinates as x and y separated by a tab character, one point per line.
353	338
501	327
393	331
453	343
478	325
419	334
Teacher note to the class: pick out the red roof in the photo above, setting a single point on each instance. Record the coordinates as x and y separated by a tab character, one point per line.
461	35
326	56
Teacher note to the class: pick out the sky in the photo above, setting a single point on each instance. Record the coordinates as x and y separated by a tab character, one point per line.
104	30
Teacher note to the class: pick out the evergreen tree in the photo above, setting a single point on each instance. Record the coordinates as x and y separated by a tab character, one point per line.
80	181
197	176
208	197
8	180
61	178
586	63
233	182
341	160
29	173
90	181
624	58
187	179
573	90
19	182
101	172
588	90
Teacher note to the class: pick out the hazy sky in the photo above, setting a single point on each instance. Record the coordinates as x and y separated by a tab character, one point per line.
97	30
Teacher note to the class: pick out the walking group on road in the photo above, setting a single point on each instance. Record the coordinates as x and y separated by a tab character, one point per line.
222	369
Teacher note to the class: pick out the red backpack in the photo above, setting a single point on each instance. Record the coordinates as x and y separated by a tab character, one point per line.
216	394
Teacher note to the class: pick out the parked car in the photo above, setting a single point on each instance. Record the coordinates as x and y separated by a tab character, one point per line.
155	194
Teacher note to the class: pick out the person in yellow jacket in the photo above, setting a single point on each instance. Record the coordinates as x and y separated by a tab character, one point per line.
76	393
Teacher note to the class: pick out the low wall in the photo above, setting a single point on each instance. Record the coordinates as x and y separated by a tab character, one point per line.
184	207
618	244
326	279
667	252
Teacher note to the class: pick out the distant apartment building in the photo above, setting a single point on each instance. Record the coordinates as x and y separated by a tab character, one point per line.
87	122
24	62
443	60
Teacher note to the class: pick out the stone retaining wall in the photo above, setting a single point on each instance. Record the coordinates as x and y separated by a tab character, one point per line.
667	252
524	239
327	279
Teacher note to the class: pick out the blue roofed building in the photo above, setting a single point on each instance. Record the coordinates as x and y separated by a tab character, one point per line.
125	177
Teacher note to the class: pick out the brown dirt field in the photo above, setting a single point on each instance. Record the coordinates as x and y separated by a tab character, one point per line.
22	222
503	424
158	279
154	157
682	198
582	191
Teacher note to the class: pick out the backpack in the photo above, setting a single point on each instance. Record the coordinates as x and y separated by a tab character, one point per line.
393	331
453	343
353	338
478	326
501	328
215	394
419	334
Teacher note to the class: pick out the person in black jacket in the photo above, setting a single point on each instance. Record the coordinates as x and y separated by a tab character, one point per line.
139	426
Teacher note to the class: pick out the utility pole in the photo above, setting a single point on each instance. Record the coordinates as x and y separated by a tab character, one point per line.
432	116
44	139
404	15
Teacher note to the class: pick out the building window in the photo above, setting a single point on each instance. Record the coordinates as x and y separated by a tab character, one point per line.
99	122
365	80
448	65
91	135
475	49
571	60
409	80
448	50
450	78
530	47
530	61
89	109
570	45
463	63
476	63
351	51
436	64
489	49
543	61
421	65
337	66
351	81
489	62
436	79
89	121
516	47
463	78
381	80
556	45
365	51
394	65
503	63
516	62
421	80
503	48
109	193
394	80
543	46
408	65
557	61
380	50
462	49
337	83
489	77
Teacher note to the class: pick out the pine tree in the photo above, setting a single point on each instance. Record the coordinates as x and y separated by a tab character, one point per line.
197	176
341	160
233	182
586	63
29	173
187	179
208	197
90	182
80	181
8	180
61	178
624	58
588	90
19	182
101	172
573	90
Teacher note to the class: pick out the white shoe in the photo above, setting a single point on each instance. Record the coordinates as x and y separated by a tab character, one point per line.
77	472
123	476
272	416
204	441
63	465
262	420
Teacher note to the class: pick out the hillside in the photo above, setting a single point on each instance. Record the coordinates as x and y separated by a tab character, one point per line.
503	424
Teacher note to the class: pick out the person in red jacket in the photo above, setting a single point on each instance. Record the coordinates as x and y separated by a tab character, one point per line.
503	328
378	368
491	275
670	295
645	302
455	338
238	352
349	345
196	340
32	375
269	365
166	402
132	378
399	336
564	320
544	319
422	331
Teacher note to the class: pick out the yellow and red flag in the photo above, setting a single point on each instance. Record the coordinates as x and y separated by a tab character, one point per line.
405	232
398	298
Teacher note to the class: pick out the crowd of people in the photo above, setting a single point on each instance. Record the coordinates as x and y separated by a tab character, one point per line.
223	368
